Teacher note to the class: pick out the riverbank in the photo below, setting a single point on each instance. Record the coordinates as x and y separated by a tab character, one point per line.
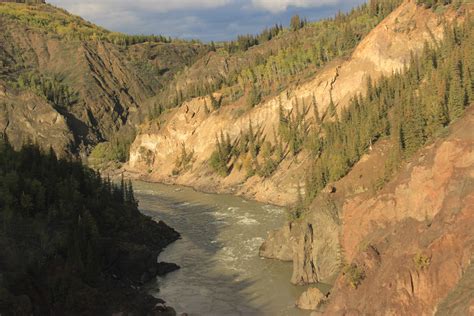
115	171
73	243
221	272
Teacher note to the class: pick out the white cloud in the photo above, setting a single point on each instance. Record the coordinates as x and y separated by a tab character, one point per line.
95	8
277	6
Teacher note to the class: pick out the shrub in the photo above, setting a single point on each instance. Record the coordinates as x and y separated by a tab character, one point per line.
254	97
354	275
421	261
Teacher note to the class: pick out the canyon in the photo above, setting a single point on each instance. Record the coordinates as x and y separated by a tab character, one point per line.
386	244
422	212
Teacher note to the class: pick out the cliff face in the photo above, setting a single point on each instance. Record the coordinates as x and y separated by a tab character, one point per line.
386	49
27	117
413	240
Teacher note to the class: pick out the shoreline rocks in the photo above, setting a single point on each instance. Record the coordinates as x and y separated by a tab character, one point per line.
310	299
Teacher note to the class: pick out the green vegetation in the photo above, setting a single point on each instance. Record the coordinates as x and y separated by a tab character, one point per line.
285	57
294	127
117	149
72	243
354	275
184	161
249	152
244	42
436	3
254	97
410	108
50	19
316	44
222	155
51	88
421	261
299	209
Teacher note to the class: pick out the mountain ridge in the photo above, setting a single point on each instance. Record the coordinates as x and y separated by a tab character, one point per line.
338	76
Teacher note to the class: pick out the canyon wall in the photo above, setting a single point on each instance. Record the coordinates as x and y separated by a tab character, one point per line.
386	49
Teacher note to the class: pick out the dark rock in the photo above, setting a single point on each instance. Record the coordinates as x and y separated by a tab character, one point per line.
165	268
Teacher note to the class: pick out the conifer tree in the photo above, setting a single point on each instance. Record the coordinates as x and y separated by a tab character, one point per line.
456	98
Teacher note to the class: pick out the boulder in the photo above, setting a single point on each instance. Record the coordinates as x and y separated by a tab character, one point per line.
278	244
164	268
310	299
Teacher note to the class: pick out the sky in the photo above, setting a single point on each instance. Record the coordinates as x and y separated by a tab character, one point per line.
206	20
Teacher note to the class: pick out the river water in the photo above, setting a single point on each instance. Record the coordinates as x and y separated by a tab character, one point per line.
221	272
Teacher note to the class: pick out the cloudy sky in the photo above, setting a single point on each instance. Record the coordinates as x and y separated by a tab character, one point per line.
202	19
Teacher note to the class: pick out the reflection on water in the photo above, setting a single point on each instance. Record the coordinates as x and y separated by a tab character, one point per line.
221	272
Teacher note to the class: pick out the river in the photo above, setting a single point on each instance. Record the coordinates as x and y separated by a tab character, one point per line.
221	272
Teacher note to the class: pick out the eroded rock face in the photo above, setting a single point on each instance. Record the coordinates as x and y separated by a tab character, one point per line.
312	243
310	299
29	118
386	49
278	245
316	255
419	232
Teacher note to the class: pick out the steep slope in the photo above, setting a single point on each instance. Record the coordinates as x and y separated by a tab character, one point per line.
386	49
275	59
413	240
395	238
110	81
73	243
408	248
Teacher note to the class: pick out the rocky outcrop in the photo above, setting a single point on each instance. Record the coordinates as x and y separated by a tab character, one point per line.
385	50
28	118
279	244
316	250
310	299
406	249
312	243
413	240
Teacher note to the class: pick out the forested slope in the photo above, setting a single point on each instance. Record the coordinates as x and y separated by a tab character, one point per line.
265	151
72	243
389	225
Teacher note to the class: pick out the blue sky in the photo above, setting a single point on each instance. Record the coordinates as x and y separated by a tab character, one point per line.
206	20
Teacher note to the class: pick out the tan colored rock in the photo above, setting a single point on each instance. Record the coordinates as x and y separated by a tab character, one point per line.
278	245
310	299
384	50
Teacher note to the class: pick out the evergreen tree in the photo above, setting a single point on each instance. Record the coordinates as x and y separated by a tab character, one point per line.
456	99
